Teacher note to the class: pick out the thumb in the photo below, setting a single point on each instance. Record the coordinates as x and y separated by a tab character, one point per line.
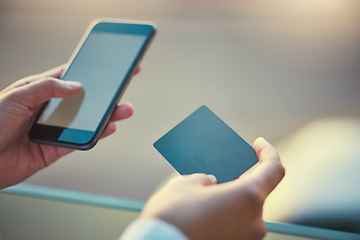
201	179
41	91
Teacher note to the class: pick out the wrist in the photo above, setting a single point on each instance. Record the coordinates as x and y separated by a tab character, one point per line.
154	228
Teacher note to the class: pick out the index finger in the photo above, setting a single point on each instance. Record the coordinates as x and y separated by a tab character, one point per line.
270	171
55	72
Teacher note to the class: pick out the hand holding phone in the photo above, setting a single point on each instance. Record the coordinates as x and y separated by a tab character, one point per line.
104	63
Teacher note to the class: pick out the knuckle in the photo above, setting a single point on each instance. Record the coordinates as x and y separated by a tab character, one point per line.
175	179
49	85
199	176
49	81
280	169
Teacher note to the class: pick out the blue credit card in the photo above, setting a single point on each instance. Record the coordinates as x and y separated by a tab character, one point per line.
203	143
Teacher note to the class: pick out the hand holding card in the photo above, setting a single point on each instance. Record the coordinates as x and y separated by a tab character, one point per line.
203	143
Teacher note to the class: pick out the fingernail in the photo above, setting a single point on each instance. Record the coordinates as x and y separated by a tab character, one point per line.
261	139
73	84
212	178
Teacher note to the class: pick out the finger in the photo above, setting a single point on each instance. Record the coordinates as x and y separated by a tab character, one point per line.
109	129
270	170
51	153
122	111
201	179
21	82
55	73
43	90
138	69
212	178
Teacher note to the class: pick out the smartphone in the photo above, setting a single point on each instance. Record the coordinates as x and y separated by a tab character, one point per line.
104	62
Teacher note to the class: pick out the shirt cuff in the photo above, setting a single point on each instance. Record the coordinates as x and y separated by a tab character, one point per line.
142	229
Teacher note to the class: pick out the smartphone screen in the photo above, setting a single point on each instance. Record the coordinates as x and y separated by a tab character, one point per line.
104	65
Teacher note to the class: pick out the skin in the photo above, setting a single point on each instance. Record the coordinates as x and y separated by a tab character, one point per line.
202	209
20	103
195	204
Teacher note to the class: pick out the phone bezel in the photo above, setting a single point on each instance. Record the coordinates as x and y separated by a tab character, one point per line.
50	135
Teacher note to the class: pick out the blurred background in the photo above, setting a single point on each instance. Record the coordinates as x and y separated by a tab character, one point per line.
285	70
